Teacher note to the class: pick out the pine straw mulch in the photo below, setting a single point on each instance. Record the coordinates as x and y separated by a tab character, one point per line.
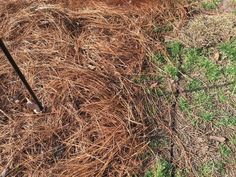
80	64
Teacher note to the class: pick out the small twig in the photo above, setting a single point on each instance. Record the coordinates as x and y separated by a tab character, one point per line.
198	89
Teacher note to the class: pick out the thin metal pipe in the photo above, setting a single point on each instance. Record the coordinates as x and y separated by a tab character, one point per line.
20	74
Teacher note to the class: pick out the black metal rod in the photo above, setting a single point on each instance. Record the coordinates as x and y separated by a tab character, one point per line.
21	76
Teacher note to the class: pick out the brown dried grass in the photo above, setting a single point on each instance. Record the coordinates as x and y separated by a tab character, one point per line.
80	63
208	30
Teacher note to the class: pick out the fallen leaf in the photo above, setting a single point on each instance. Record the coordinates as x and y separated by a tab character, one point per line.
218	138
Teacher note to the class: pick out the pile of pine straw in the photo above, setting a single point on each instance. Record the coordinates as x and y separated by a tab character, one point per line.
80	64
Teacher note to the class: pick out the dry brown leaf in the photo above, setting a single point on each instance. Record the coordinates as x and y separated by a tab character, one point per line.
218	138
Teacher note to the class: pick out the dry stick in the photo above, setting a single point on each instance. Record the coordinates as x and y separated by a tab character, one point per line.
173	114
19	73
198	89
175	137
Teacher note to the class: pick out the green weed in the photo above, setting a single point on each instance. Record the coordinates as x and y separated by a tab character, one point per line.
149	174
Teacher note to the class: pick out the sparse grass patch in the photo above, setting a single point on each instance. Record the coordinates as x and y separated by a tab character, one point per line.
174	49
225	151
229	49
209	102
207	169
162	168
191	57
212	168
202	99
207	116
227	121
211	4
194	84
172	71
233	140
213	71
183	104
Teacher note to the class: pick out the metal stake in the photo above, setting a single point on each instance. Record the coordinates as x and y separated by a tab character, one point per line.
19	73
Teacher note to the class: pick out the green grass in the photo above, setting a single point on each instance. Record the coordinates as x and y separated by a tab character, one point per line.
213	71
161	169
191	56
211	4
229	49
194	84
183	104
172	71
207	116
211	168
227	121
213	106
200	70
